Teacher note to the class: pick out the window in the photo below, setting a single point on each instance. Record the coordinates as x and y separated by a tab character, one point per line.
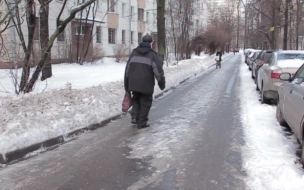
131	37
37	30
290	56
80	29
98	34
299	73
269	60
112	32
123	37
140	14
147	17
132	10
61	36
139	37
298	78
111	5
123	6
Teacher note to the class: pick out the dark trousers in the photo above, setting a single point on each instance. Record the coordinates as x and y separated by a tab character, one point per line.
141	104
218	64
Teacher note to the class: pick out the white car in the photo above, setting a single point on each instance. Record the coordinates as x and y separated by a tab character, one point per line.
290	108
268	81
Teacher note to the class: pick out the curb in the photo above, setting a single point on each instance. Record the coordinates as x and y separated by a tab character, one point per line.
19	154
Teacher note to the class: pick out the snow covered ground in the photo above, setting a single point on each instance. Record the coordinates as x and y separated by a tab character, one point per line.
269	154
78	96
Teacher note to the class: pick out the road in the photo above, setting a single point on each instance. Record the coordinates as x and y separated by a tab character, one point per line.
194	142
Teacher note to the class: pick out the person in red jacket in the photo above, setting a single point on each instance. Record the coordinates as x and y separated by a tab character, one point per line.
143	67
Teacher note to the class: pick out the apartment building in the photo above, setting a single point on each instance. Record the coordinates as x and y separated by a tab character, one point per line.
105	28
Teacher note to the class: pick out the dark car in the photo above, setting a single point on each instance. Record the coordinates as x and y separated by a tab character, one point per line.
261	59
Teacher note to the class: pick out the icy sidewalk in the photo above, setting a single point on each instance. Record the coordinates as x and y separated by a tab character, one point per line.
30	119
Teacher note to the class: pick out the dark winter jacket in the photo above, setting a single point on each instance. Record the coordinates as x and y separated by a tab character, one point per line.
143	67
219	53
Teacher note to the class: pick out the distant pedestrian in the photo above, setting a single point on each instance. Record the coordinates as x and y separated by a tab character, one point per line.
143	67
234	50
218	58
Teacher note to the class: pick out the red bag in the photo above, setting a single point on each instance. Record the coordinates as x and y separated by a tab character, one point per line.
127	102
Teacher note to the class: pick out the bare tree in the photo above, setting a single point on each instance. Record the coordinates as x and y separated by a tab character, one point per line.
225	20
30	83
120	51
161	31
180	18
44	37
25	12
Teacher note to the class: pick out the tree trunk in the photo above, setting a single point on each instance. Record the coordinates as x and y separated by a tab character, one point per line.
285	25
44	38
31	24
29	86
299	9
273	45
161	30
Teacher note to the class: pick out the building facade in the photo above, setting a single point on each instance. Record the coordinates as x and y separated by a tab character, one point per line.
106	28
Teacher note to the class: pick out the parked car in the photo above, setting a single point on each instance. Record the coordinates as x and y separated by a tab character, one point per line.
260	60
247	53
268	80
253	58
290	108
250	58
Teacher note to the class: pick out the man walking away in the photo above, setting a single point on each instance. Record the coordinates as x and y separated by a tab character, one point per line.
143	67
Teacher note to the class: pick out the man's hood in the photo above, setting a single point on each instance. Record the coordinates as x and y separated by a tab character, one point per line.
143	48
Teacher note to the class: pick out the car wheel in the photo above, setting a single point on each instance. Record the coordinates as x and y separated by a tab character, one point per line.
302	154
264	100
279	115
256	86
252	74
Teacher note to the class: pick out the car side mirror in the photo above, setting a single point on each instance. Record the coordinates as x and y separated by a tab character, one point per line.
285	76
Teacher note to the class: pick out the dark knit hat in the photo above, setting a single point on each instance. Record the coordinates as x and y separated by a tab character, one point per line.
147	38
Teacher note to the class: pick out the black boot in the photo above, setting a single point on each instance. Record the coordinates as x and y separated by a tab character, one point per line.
134	121
143	126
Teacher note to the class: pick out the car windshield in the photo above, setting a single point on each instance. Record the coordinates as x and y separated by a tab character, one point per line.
290	56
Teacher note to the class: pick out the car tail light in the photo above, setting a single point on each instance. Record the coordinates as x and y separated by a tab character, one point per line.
275	74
